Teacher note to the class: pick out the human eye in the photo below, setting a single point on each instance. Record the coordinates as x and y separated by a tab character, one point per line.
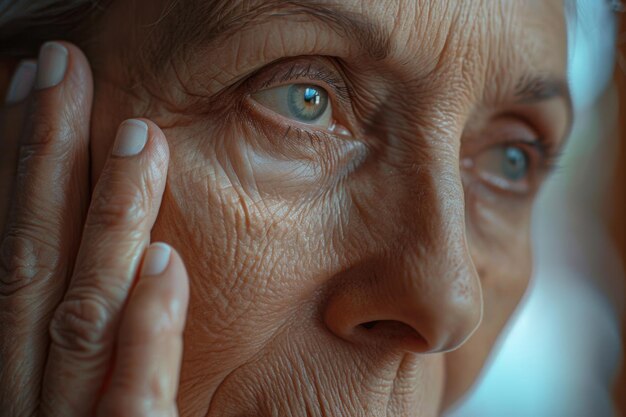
306	95
505	166
305	103
513	166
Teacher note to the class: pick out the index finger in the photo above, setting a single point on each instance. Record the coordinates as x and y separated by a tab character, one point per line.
124	207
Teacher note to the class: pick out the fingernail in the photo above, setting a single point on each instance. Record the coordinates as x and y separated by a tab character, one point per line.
131	138
156	260
52	65
22	82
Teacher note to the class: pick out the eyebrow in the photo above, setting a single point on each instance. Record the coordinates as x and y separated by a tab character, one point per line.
533	89
213	21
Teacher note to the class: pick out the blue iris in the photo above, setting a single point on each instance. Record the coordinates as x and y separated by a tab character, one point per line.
306	102
515	163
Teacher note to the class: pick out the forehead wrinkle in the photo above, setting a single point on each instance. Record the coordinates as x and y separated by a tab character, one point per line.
520	63
192	23
458	58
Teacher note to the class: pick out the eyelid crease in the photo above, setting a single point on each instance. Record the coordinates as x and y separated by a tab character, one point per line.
552	148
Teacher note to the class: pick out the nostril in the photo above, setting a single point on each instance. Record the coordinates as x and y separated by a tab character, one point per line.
396	333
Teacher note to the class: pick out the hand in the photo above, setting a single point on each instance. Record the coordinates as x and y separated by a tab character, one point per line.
91	321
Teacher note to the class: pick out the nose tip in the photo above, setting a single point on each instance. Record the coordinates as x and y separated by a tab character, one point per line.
436	315
454	321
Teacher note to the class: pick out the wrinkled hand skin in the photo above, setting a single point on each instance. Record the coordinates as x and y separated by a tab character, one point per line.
92	316
293	241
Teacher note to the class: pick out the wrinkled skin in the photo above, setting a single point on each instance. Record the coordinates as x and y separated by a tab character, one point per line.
294	240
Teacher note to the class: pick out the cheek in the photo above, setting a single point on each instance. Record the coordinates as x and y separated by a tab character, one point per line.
500	247
499	239
498	231
253	257
503	288
504	276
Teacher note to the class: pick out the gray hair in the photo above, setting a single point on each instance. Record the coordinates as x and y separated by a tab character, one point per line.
25	24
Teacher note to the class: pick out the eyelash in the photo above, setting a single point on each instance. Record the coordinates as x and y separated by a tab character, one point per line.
549	151
296	71
313	70
548	155
317	73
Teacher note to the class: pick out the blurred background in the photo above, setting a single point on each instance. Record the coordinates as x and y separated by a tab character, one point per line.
561	353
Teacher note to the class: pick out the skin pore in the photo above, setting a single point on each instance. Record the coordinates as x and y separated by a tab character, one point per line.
337	263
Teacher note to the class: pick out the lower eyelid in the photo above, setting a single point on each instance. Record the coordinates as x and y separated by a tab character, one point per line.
296	141
500	185
284	120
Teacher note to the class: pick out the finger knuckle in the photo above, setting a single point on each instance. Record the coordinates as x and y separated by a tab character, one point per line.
44	128
49	126
36	157
25	261
81	326
121	205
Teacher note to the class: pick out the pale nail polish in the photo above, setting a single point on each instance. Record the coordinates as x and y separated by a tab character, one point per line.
52	65
131	138
156	260
22	82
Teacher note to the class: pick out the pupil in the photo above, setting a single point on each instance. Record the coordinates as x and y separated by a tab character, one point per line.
515	163
306	102
311	96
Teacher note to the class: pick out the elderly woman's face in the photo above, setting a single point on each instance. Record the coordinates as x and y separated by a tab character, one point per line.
350	187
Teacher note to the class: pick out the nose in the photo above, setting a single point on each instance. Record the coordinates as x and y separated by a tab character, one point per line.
424	296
